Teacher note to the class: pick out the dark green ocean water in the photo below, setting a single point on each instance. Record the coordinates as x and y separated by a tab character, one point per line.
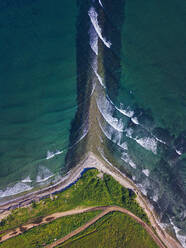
37	86
153	58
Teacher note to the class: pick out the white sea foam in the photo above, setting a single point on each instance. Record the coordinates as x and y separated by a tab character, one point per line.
116	136
124	145
40	180
16	189
178	152
105	131
94	19
93	88
27	180
148	143
155	198
129	132
103	156
108	132
125	157
43	175
85	132
95	68
161	141
93	40
100	3
106	109
133	178
100	79
135	120
162	225
53	154
101	139
142	189
146	172
181	238
128	113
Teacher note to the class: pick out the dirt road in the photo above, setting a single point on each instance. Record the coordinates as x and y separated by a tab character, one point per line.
55	216
45	220
106	210
92	161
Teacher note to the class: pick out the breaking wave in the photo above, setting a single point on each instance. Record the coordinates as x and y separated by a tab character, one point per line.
105	107
93	40
43	174
125	157
53	154
27	180
148	143
94	46
128	113
94	19
113	136
100	3
146	172
95	68
180	237
142	189
106	110
16	189
178	152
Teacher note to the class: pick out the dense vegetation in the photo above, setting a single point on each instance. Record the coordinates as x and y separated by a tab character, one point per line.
115	230
91	190
46	234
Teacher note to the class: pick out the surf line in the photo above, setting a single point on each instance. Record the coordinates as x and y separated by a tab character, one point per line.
94	20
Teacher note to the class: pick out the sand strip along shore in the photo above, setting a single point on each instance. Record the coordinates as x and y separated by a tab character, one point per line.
92	161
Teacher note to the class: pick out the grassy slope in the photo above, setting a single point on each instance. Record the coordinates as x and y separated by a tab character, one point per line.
45	234
116	230
90	190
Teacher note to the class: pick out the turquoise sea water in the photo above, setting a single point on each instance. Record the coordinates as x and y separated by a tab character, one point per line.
37	86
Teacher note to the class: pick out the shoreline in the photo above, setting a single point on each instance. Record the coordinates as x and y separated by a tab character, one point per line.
92	161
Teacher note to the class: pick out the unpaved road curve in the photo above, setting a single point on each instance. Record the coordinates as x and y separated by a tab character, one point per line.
55	216
92	161
107	210
47	219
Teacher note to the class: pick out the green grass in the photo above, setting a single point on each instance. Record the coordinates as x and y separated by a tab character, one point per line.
115	230
90	190
45	234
